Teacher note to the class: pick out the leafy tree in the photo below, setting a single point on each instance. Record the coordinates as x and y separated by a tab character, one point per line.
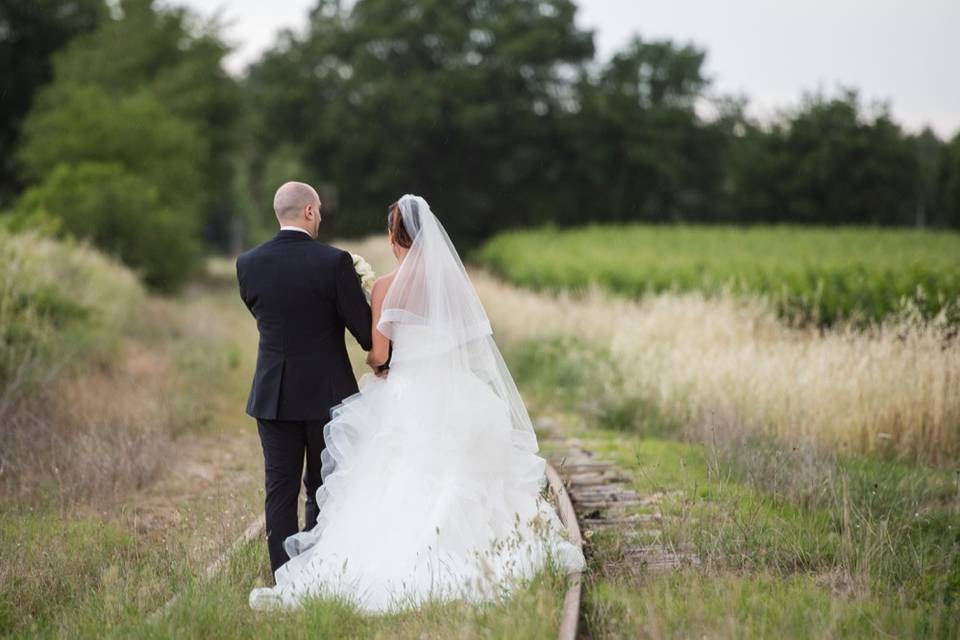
831	161
752	163
847	166
30	32
642	148
949	191
456	99
162	56
120	212
496	110
80	124
129	145
929	157
124	177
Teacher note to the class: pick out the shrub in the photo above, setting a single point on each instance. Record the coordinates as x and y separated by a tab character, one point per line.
120	213
56	300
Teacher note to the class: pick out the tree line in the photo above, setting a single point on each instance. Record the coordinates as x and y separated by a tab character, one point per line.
119	124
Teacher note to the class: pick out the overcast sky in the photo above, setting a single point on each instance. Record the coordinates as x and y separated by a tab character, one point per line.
906	52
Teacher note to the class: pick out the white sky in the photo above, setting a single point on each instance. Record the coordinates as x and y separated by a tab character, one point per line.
901	51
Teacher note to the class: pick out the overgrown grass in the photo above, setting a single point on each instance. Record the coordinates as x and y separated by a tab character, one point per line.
789	537
218	609
791	461
79	576
879	554
96	527
888	391
57	301
762	430
693	604
98	377
809	275
95	580
81	552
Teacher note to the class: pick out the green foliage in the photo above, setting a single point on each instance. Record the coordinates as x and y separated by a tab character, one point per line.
121	213
949	189
844	169
56	301
82	124
833	160
460	101
641	152
586	379
495	110
810	275
175	58
30	32
138	122
500	115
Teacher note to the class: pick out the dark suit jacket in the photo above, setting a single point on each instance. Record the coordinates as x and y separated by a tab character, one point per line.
302	293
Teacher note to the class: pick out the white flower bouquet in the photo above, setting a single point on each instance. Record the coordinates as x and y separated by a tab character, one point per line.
364	272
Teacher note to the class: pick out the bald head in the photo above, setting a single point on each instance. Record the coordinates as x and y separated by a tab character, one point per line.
298	205
292	198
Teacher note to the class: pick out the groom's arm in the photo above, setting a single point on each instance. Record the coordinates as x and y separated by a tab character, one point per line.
351	303
243	294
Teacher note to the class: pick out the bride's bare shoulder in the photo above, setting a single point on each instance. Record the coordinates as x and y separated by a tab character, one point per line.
381	284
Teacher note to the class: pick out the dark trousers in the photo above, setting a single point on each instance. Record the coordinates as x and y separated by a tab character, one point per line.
284	445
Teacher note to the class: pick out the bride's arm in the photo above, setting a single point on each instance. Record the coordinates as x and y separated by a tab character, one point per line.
380	353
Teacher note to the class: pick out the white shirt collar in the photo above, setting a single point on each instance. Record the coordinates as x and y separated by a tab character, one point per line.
290	228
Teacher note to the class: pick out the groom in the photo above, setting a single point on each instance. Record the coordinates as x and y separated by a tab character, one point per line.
303	294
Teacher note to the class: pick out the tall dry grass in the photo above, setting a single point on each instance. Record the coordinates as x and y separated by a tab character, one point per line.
128	467
895	388
892	389
77	403
92	436
57	300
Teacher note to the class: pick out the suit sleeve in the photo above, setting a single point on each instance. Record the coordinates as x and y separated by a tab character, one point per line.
352	303
243	294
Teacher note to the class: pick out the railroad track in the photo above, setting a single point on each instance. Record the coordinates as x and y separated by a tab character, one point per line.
570	615
595	495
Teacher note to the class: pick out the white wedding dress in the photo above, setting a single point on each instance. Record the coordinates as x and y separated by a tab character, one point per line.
432	482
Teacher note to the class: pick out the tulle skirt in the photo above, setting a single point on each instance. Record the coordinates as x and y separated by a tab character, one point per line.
429	494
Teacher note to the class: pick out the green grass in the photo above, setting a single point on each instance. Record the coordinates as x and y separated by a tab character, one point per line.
890	565
583	378
690	604
809	275
91	579
67	577
794	540
218	609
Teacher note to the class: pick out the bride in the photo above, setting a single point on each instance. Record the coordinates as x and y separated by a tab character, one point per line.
431	479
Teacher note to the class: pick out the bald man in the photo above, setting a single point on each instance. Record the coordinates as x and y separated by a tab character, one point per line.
303	295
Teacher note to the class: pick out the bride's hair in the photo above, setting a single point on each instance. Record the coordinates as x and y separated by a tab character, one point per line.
396	227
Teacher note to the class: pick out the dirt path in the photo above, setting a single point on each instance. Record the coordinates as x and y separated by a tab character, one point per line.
211	485
207	496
